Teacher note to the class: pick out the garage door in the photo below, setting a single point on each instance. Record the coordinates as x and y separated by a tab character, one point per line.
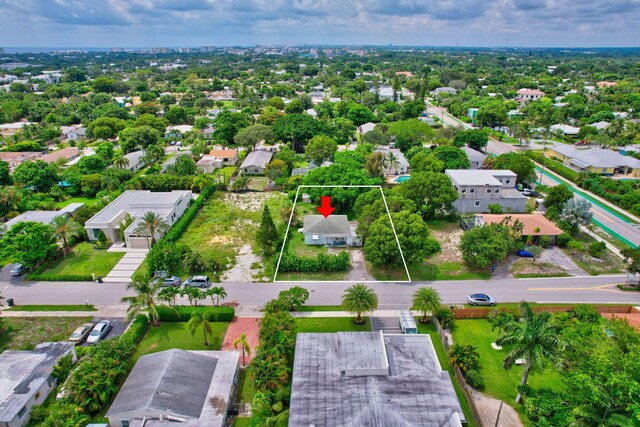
138	242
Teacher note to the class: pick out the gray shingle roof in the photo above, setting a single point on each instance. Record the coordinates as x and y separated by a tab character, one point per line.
23	372
176	381
257	158
414	392
596	157
333	225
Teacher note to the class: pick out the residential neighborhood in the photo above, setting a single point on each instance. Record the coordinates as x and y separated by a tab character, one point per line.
291	234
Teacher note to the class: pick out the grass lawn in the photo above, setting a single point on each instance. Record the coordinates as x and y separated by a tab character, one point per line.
24	333
242	422
257	183
89	201
245	388
429	271
226	171
78	307
321	308
428	328
524	268
500	383
85	259
326	276
229	221
608	263
295	244
176	335
329	324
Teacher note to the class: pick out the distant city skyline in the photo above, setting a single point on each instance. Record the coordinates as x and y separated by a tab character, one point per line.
473	23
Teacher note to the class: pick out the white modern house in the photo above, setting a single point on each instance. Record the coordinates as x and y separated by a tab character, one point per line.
169	206
477	189
26	380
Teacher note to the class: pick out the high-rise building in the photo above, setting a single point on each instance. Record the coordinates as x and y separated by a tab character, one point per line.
209	48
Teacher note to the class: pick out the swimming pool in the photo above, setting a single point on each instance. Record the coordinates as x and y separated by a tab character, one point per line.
402	178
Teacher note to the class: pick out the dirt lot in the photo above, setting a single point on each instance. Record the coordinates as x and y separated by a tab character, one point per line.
449	235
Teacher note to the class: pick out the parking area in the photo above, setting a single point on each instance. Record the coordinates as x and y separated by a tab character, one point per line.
6	277
118	326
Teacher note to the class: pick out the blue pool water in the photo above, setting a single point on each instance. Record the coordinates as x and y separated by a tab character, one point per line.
402	178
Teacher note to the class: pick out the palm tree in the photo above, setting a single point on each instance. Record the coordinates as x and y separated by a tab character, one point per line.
392	160
535	340
120	162
153	154
359	299
169	294
216	293
151	225
200	320
65	229
426	299
146	293
124	223
246	348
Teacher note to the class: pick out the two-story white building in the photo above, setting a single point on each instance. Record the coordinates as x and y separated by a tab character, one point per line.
169	206
477	189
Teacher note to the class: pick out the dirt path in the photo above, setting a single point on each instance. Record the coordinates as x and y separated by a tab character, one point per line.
242	271
358	268
488	409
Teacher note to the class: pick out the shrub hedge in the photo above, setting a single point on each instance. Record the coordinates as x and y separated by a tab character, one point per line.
553	165
137	329
49	277
184	313
475	379
323	262
181	226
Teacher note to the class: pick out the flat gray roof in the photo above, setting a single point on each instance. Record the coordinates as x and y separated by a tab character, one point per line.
478	177
44	217
473	155
414	392
23	372
137	202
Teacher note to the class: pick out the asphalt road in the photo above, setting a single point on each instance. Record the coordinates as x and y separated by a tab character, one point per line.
592	289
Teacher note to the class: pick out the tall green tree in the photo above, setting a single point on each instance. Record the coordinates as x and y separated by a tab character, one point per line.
146	294
252	135
359	299
453	157
201	320
536	340
518	163
320	148
151	225
37	174
484	246
431	192
267	234
29	243
426	299
65	229
244	345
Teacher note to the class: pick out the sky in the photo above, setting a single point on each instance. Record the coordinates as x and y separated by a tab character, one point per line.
175	23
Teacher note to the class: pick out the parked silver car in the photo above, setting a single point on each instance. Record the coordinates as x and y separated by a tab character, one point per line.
99	332
481	299
169	281
17	270
198	281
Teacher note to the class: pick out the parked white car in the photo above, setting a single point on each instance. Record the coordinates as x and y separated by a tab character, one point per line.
99	332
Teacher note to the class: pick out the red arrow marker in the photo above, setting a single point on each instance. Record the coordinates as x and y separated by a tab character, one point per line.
325	207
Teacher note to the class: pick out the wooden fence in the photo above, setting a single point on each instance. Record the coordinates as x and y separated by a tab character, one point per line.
482	312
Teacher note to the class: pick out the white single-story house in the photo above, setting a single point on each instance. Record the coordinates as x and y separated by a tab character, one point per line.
177	387
26	380
366	127
448	90
475	157
169	206
334	230
395	162
172	160
565	129
73	132
256	162
43	217
135	160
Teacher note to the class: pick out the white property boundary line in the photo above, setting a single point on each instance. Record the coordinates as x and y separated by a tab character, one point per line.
293	209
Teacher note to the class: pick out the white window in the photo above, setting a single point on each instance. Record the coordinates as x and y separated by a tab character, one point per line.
476	203
497	190
314	237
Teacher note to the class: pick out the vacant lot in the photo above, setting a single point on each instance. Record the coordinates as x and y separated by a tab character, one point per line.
85	259
24	333
607	263
227	225
176	335
524	268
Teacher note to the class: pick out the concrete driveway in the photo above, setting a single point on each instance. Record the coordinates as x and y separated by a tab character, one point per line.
124	269
118	326
358	267
6	277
